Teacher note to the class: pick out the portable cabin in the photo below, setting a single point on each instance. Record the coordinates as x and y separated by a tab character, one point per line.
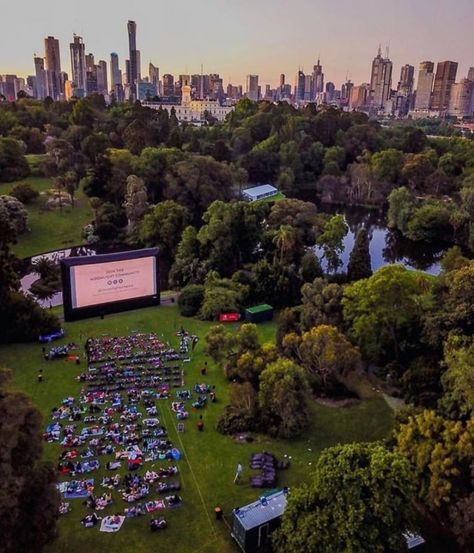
259	313
259	192
253	524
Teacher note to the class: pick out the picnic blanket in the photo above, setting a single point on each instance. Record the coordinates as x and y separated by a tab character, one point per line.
77	489
108	524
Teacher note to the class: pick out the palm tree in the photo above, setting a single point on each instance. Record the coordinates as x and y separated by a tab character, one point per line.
285	240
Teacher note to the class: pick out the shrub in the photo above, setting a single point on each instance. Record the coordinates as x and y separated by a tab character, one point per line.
190	300
24	193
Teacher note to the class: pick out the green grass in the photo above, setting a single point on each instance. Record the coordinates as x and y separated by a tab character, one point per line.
275	198
207	469
50	229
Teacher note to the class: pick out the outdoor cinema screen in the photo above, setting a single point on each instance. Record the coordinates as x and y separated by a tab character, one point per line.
109	283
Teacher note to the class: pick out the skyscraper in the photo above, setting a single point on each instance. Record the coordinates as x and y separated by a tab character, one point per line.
330	90
115	73
380	82
78	63
168	85
53	66
132	77
309	95
299	86
425	85
461	101
252	87
41	80
444	79
318	80
102	82
404	96
154	76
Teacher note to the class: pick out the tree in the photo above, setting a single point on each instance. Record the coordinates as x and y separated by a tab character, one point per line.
387	165
440	452
13	164
381	311
359	500
282	399
296	213
286	242
221	296
401	206
164	225
458	379
324	352
321	304
359	265
197	182
136	202
429	222
29	501
331	241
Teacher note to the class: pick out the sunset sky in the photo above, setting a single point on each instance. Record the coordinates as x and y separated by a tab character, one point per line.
237	37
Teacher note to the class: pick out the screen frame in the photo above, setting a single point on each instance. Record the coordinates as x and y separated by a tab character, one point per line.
75	313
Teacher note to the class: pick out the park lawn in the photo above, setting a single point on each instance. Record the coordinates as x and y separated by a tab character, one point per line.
50	229
209	459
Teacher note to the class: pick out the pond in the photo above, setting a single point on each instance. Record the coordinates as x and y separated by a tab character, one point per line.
386	246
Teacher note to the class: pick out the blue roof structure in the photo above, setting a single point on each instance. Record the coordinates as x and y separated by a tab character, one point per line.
262	511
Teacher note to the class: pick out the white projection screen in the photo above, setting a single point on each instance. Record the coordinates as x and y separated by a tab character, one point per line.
109	283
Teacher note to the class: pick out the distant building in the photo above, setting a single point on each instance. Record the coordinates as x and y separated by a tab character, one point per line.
102	81
146	91
154	76
359	96
78	63
424	86
115	73
461	102
168	85
300	86
317	80
330	91
444	79
252	88
404	96
134	62
53	67
380	82
194	112
41	85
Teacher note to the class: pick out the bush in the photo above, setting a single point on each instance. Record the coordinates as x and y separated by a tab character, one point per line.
24	193
23	320
13	165
14	213
190	300
233	421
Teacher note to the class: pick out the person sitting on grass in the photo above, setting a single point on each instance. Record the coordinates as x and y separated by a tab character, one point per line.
90	521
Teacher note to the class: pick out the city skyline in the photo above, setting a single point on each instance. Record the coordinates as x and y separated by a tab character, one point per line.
244	40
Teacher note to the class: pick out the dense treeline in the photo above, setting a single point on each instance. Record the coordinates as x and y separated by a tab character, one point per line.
317	154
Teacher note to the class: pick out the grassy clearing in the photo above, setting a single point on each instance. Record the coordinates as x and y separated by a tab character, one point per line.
50	229
207	469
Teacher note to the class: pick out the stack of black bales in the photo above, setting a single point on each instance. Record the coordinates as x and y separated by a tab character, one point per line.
267	464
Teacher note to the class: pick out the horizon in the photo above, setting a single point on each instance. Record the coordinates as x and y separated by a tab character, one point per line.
346	44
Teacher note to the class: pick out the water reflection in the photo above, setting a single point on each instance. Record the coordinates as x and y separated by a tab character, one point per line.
386	246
